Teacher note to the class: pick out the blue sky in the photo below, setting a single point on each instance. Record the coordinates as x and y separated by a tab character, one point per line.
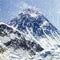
50	8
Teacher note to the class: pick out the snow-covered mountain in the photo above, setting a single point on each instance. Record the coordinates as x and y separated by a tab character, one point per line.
12	39
33	21
29	36
36	26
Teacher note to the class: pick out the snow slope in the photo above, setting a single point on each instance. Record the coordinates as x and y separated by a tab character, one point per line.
14	45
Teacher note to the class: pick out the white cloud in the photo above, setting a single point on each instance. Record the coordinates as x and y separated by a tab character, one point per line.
24	5
58	12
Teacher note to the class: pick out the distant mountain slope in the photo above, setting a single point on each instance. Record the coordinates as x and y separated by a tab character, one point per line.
34	21
35	24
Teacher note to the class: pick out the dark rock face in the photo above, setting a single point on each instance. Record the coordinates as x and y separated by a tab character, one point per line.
25	45
19	42
4	30
44	55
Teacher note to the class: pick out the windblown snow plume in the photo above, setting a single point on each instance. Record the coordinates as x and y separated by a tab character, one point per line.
29	36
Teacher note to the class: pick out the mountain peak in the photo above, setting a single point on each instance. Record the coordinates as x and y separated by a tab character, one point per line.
32	20
31	12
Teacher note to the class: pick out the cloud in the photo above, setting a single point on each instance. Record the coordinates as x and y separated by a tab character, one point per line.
24	5
58	12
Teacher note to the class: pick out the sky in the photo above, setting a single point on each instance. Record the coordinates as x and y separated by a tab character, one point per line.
49	8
